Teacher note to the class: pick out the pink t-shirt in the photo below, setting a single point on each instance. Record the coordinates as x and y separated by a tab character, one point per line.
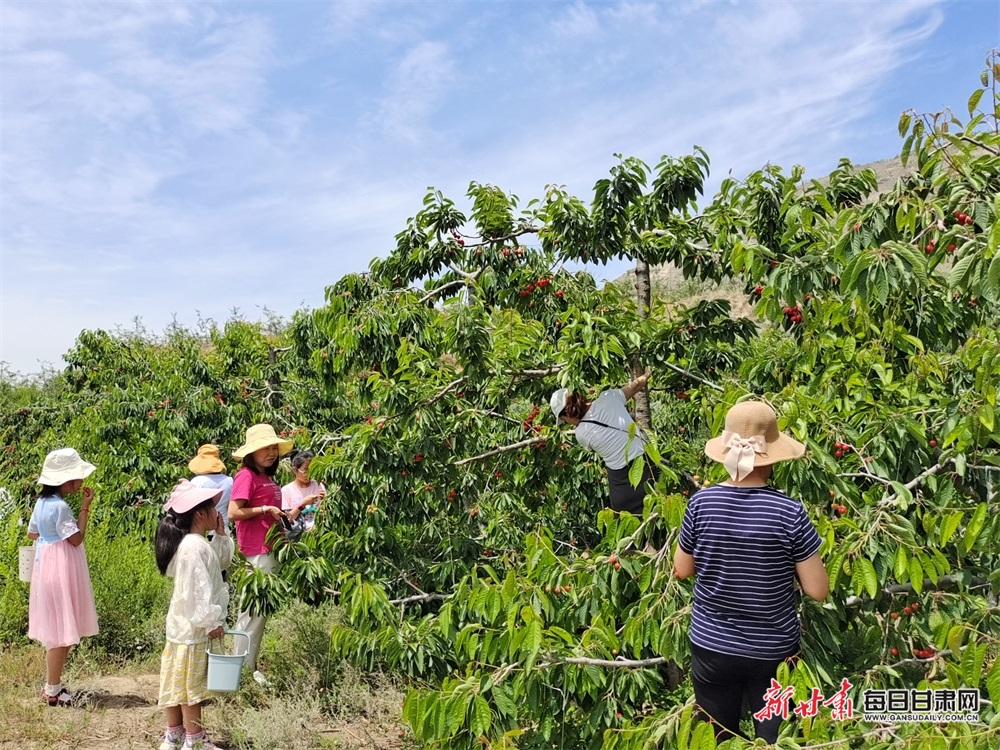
258	490
294	494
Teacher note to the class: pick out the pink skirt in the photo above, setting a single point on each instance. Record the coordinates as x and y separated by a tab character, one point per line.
61	603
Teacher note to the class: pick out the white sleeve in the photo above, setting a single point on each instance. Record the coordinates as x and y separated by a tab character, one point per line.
65	523
193	580
223	547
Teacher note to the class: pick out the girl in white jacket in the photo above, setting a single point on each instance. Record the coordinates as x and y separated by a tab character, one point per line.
197	610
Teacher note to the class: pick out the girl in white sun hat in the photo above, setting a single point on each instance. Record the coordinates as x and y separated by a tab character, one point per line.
748	543
198	607
61	601
254	507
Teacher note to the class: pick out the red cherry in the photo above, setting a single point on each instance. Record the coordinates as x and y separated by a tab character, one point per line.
894	651
932	443
894	615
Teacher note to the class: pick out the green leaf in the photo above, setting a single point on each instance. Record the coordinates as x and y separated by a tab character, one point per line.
974	100
904	123
636	469
482	717
869	576
950	526
959	271
986	416
993	682
956	634
916	575
974	527
901	564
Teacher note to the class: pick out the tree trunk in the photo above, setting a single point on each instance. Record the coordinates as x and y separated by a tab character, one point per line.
643	298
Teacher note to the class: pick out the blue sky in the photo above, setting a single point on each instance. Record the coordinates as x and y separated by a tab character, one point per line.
167	160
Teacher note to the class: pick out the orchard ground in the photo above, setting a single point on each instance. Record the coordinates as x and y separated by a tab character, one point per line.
118	710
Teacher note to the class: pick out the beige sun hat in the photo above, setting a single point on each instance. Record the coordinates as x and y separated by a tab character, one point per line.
260	436
64	465
750	439
207	461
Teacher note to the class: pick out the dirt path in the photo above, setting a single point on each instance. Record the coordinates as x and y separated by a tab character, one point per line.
119	712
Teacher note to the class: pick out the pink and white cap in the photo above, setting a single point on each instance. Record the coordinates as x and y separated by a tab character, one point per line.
186	496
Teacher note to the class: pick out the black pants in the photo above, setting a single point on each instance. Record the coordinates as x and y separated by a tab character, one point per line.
721	682
626	497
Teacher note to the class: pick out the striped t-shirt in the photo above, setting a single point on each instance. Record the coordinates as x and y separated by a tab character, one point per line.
745	542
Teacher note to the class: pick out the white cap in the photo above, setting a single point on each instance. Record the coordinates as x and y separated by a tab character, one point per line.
558	402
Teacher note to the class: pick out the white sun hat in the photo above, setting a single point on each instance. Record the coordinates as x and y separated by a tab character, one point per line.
64	465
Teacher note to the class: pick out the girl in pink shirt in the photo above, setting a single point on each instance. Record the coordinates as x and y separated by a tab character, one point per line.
302	493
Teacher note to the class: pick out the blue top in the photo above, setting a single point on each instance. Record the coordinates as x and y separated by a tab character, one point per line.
52	519
745	542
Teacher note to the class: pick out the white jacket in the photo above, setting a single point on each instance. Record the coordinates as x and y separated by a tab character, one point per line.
200	600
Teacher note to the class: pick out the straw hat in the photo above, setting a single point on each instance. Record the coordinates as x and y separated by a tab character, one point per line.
64	465
558	402
186	496
751	439
207	461
260	436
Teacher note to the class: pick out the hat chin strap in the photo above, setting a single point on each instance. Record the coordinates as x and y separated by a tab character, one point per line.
740	456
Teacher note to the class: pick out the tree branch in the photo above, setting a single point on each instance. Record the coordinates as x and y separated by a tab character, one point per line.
866	475
512	235
917	480
978	144
443	287
420	598
618	663
929	585
682	371
501	449
444	391
542	373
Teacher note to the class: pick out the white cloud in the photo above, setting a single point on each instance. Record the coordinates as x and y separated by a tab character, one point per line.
416	88
172	157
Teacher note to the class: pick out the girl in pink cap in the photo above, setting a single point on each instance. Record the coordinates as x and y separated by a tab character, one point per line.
197	610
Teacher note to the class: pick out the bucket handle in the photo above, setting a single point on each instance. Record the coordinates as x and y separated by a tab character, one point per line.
236	634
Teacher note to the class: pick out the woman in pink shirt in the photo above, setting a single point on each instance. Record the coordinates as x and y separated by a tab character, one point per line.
254	507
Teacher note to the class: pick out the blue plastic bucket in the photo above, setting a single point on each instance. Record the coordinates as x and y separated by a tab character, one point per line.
224	669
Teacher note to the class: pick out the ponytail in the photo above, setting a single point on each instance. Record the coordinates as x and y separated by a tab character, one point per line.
171	532
576	406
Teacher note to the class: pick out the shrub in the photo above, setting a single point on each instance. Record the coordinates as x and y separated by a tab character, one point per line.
130	594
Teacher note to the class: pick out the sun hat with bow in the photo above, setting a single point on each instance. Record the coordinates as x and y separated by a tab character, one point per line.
260	436
750	439
207	461
64	465
186	496
558	402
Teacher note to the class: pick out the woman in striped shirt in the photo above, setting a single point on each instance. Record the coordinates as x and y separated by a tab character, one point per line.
747	543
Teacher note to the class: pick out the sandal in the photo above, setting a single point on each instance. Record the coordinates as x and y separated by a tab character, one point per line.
63	698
